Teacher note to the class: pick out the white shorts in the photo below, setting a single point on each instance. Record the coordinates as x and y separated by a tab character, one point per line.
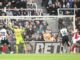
75	40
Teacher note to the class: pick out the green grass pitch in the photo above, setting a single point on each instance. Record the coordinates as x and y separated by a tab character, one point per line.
39	56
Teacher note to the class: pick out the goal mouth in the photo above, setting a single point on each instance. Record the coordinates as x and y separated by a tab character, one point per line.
40	24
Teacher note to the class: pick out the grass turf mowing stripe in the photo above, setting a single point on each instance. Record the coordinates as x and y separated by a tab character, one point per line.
40	57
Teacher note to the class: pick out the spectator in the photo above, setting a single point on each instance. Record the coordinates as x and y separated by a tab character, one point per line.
47	35
15	12
1	5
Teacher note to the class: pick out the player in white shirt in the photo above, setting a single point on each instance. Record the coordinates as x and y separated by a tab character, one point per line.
65	39
64	32
3	38
3	33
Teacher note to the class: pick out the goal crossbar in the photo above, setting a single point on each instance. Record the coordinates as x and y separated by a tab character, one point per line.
24	17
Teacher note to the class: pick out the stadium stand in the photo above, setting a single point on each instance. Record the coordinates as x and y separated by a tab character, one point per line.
36	29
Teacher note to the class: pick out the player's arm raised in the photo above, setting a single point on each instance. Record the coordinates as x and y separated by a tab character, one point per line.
11	26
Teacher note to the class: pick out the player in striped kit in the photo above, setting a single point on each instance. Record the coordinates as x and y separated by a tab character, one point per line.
65	39
4	40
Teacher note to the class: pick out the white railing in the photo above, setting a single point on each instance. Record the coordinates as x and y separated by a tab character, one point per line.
28	10
23	17
65	9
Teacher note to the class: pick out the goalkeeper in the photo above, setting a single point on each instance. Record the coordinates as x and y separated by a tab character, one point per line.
18	36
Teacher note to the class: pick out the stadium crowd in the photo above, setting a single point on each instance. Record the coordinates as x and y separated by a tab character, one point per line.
18	7
51	6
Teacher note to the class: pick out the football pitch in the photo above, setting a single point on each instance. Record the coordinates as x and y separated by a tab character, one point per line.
39	56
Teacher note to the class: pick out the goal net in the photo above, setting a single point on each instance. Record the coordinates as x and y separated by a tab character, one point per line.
40	23
35	26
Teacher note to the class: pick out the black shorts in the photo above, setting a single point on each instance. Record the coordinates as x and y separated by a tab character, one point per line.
65	39
4	41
